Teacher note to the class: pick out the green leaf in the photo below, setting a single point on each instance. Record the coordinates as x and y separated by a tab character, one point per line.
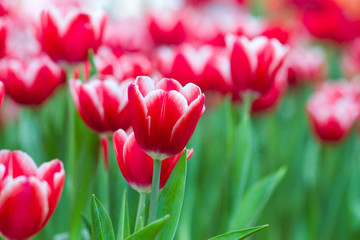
171	198
238	235
124	222
101	223
93	70
255	199
150	231
139	225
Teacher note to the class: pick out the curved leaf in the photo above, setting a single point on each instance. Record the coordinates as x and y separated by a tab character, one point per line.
150	231
101	223
171	198
241	234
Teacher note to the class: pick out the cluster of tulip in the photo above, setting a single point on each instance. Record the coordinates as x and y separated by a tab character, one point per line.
142	82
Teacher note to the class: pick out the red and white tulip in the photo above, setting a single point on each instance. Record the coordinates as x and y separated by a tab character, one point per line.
164	116
28	195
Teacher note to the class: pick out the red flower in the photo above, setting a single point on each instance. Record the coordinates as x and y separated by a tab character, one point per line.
333	109
269	100
28	195
351	59
255	63
207	66
137	166
167	27
335	20
164	116
306	65
30	82
102	104
3	33
2	93
68	37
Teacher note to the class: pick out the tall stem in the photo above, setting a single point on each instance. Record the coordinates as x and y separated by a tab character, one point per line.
154	191
142	198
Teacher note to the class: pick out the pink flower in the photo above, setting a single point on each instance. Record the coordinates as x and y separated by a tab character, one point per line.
137	166
30	82
68	37
28	195
164	116
255	63
102	104
333	109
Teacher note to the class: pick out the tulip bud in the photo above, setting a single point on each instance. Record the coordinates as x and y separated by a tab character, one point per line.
164	116
333	109
255	63
102	104
137	166
69	37
30	82
28	195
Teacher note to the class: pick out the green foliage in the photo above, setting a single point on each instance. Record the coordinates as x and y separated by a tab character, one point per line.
171	198
239	235
150	231
101	224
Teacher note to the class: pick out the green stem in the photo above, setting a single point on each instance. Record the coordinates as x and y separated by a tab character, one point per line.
142	198
154	191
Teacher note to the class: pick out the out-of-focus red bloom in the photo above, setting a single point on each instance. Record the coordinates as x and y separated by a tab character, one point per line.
2	93
167	27
331	19
3	34
270	99
31	81
164	116
69	37
306	65
351	59
102	104
333	109
135	64
28	195
206	66
137	166
128	36
255	63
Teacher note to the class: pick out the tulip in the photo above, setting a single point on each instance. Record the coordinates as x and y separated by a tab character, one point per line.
255	63
69	37
2	93
102	104
30	82
136	166
333	109
351	59
270	99
164	116
28	195
167	27
306	65
207	67
3	35
326	19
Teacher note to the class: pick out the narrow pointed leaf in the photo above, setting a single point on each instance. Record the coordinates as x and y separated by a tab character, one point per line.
150	231
124	226
101	223
171	198
139	225
255	199
238	235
